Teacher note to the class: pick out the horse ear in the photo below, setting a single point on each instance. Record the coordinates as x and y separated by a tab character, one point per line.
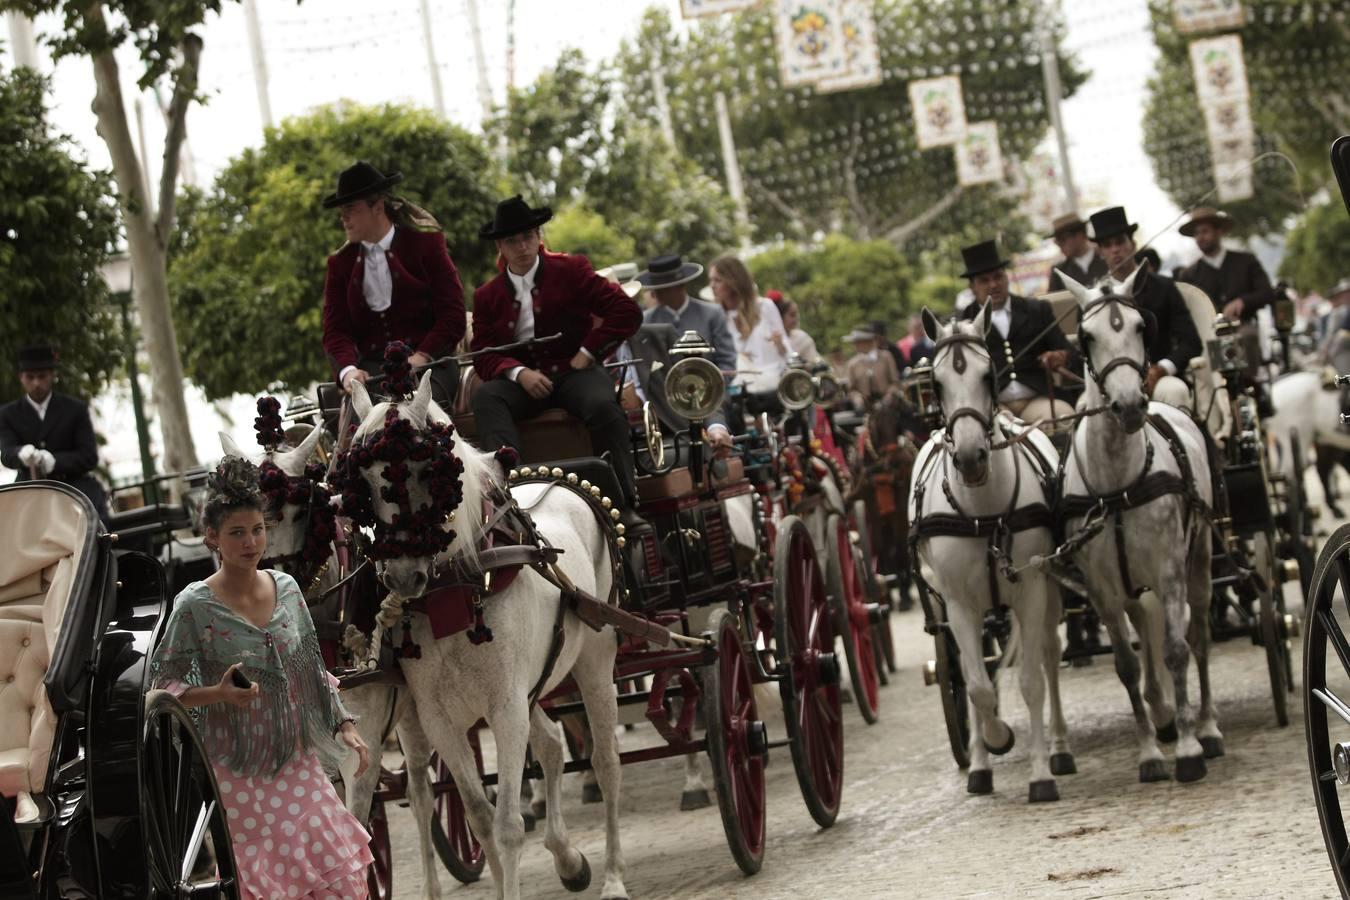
229	447
1080	293
292	462
1127	289
422	398
930	325
361	404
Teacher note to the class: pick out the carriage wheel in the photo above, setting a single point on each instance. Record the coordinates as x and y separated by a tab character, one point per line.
187	839
1274	634
455	844
1326	695
380	873
853	618
881	637
736	743
952	686
1299	524
808	671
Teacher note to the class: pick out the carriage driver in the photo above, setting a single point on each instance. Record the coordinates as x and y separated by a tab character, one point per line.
1174	341
1025	343
537	294
392	281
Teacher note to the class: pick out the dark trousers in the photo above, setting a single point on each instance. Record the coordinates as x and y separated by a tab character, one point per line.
587	394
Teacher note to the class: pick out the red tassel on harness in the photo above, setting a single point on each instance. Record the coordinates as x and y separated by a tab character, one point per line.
408	649
480	633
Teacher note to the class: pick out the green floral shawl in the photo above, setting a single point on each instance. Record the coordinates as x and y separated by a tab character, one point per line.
297	708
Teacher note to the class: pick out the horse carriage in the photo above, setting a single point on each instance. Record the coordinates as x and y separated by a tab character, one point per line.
108	790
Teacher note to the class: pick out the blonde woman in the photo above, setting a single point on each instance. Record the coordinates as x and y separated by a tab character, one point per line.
756	326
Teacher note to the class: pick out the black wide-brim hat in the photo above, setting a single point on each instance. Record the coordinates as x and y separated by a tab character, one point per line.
360	180
1109	222
37	358
513	216
669	271
980	258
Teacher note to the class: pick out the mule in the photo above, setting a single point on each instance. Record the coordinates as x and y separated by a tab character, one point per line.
979	494
456	682
1149	563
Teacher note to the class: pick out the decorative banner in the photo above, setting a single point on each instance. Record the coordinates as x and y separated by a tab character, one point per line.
1220	73
1234	180
1190	16
978	160
810	37
939	111
863	54
1227	120
694	9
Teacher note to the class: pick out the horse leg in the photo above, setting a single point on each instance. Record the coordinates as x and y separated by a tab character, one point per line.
1147	617
452	743
1061	758
695	793
1031	613
1197	635
1327	458
989	733
594	675
1177	654
510	727
1151	764
417	760
581	733
546	740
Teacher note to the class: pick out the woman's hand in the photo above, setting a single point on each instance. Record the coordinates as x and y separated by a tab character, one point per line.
778	341
352	738
228	692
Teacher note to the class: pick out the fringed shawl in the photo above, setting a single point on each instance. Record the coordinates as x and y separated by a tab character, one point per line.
296	709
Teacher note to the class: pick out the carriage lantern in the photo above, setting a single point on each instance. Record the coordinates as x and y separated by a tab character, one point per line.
796	389
1283	312
694	385
1226	352
921	394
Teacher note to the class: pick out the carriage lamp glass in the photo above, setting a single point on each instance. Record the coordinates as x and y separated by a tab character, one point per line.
1283	312
920	393
1226	351
695	388
828	389
796	389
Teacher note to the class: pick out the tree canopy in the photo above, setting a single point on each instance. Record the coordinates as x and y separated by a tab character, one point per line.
248	274
58	226
1317	253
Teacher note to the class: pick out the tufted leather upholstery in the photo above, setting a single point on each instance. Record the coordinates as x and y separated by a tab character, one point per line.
36	574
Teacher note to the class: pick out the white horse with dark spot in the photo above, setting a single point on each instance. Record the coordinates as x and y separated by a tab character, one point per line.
974	475
1150	561
455	682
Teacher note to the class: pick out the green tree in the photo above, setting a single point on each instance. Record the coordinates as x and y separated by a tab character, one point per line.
57	228
580	229
248	280
1317	253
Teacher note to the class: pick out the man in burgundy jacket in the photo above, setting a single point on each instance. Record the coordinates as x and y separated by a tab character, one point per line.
392	281
540	294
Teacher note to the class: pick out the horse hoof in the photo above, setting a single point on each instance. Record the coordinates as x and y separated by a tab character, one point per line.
1043	791
980	782
1153	770
1062	764
1190	768
1168	733
1080	662
1000	751
590	793
691	800
1213	747
580	881
529	819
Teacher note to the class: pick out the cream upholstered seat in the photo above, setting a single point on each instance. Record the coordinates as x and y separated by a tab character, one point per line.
47	529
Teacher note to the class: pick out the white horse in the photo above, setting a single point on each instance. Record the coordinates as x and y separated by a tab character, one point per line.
1304	406
1167	545
970	471
377	707
455	682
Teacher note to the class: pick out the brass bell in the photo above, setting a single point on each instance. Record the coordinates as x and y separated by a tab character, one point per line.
557	472
606	503
526	472
572	478
620	542
585	485
619	530
513	474
614	514
595	490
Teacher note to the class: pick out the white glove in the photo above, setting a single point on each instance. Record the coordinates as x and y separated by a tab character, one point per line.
26	454
45	461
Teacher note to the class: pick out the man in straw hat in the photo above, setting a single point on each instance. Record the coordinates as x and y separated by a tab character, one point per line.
870	373
1235	282
539	294
1172	342
1025	343
45	434
392	281
1081	261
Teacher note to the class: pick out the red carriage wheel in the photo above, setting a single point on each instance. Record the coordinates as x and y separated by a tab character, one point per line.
853	617
736	743
808	671
455	844
877	592
380	874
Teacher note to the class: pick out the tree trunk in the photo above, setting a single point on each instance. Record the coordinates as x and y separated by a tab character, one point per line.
148	248
901	233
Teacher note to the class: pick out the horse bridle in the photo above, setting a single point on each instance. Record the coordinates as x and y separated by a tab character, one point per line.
1113	303
985	418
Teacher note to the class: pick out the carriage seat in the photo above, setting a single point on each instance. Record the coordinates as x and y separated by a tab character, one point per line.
37	575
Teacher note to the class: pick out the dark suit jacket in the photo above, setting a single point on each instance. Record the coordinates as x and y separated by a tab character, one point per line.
66	431
708	320
650	346
567	294
1241	277
1096	269
426	310
1030	317
1176	338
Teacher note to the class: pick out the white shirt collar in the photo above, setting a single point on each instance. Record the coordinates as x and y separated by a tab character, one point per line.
39	408
679	310
1216	259
1085	260
383	243
524	283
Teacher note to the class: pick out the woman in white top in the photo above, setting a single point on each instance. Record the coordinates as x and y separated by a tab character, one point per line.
799	341
756	327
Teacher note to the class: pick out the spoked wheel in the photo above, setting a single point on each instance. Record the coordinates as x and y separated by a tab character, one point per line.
853	617
878	591
1299	524
808	671
455	844
952	686
737	745
1272	624
380	873
1326	696
187	839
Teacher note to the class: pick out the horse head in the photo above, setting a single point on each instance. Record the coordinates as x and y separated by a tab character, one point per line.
965	382
1112	335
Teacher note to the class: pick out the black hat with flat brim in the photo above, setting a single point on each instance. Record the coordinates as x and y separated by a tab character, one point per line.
982	257
1110	222
669	271
38	358
514	216
360	180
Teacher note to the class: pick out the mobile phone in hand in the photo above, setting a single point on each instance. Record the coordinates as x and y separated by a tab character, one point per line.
240	679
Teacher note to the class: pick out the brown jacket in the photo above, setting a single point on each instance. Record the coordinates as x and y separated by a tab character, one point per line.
871	378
